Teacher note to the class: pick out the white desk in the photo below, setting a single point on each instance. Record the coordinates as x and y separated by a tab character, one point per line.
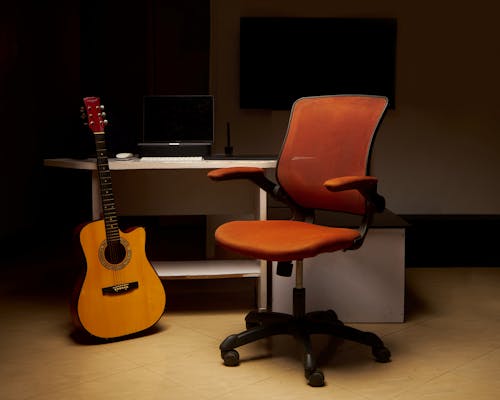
182	188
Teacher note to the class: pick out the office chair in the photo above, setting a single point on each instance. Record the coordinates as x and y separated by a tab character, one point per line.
323	165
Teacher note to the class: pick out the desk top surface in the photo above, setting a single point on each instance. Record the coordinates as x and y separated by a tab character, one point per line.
136	163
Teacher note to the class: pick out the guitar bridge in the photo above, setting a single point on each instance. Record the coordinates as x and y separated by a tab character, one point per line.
120	288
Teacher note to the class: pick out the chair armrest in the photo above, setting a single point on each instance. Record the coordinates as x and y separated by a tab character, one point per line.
366	185
257	176
350	182
254	174
224	174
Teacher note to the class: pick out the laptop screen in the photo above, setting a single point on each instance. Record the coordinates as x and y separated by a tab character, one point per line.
178	119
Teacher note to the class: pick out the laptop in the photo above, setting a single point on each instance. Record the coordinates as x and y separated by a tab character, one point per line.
177	125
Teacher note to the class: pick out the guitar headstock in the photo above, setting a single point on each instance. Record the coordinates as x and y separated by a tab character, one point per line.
94	114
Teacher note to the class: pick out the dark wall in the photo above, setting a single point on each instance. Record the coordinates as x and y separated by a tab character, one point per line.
51	55
39	86
141	48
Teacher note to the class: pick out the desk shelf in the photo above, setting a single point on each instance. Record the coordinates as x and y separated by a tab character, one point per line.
207	269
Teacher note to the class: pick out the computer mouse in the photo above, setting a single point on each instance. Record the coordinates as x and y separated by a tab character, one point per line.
122	156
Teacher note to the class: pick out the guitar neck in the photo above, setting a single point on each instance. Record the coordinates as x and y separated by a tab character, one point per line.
106	189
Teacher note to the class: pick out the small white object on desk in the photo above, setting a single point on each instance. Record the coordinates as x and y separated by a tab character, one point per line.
124	156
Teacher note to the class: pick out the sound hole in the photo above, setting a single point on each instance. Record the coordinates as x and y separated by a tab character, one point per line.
115	253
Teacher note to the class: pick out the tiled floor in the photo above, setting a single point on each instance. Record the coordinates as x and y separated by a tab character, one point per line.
449	348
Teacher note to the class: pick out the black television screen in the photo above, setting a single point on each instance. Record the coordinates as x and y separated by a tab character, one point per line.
283	59
178	119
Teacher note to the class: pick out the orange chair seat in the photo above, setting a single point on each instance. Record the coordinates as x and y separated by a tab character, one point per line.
278	240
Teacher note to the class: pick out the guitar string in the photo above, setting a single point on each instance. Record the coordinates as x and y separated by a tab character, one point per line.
113	243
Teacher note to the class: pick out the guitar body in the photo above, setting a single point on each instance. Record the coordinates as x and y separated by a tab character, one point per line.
122	298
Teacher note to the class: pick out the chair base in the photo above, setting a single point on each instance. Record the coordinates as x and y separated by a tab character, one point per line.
301	325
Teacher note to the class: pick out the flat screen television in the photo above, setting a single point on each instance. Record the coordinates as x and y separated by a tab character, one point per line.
285	58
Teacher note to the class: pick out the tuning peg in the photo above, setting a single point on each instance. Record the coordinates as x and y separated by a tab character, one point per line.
103	114
105	122
102	107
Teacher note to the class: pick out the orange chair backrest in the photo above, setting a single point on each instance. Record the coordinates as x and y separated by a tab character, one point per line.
328	137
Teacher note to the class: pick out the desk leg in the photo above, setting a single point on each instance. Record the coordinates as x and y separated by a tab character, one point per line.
265	286
96	197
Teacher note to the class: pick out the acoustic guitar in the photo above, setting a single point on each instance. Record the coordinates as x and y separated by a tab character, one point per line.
120	293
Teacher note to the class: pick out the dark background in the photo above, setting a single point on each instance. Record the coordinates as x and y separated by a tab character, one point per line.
52	54
55	52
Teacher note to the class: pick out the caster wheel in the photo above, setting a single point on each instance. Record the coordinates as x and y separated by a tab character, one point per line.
231	358
316	379
381	354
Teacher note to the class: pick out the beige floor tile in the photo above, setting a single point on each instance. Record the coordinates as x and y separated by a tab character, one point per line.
205	371
419	354
170	342
457	387
289	385
137	383
448	348
217	325
26	375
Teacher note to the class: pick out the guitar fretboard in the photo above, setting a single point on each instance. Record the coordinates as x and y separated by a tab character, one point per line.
107	197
